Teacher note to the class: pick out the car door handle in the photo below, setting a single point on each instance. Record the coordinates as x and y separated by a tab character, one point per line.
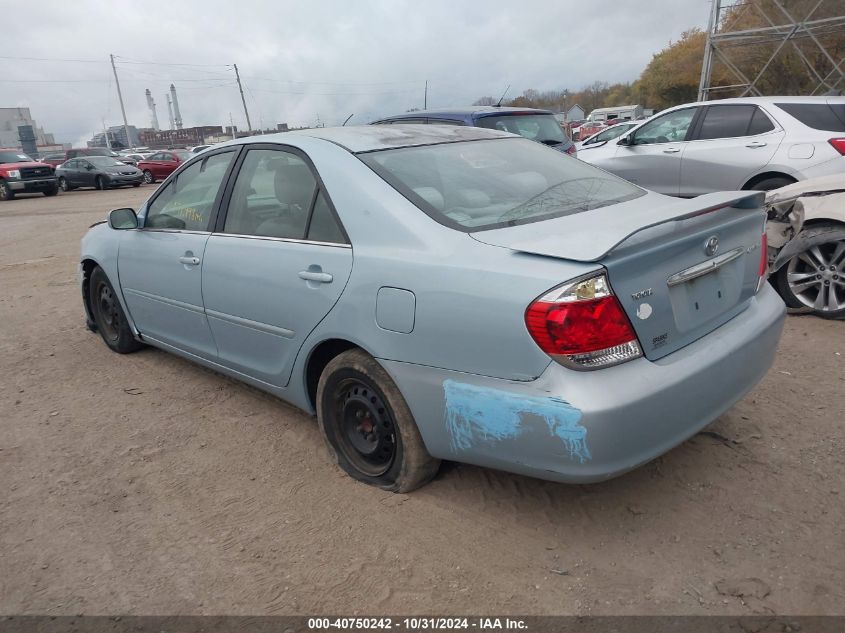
671	150
756	144
190	261
317	276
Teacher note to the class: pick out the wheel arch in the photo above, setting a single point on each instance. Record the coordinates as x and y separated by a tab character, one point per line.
320	356
765	176
87	266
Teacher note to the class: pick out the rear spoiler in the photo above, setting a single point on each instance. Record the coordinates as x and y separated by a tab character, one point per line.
748	200
592	236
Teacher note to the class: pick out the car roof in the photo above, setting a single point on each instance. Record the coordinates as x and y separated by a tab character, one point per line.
370	138
463	112
760	100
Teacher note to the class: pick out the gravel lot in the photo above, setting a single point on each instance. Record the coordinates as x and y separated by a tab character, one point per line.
143	484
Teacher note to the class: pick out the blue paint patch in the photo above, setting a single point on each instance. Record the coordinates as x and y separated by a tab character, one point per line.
480	414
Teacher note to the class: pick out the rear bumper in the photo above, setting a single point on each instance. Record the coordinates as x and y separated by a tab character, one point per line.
36	185
583	427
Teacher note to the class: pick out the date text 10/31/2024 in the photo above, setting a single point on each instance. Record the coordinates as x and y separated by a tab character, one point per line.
416	623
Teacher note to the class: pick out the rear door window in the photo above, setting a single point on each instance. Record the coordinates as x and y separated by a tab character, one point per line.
726	121
760	123
819	116
536	127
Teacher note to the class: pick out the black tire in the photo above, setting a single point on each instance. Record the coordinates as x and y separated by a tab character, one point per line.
64	185
99	183
771	183
108	314
148	177
799	267
354	392
5	192
52	192
136	184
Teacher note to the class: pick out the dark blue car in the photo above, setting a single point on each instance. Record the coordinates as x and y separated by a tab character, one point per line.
537	125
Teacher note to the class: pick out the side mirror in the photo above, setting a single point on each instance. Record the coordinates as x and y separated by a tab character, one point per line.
122	219
625	140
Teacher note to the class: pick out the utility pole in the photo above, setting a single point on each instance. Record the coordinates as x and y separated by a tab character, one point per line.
232	123
243	100
425	97
122	109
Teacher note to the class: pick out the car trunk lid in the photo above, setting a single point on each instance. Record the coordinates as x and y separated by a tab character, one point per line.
679	268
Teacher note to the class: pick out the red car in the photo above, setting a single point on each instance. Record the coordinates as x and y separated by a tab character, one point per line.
161	164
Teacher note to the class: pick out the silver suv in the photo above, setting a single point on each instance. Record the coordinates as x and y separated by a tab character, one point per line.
748	143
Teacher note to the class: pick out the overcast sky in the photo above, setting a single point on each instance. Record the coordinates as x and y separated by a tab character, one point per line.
319	58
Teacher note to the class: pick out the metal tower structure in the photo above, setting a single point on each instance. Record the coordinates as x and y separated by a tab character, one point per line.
784	29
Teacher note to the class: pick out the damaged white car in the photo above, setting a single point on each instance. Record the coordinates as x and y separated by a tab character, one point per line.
806	245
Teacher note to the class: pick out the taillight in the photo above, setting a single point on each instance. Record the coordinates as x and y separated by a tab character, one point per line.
838	145
582	325
763	268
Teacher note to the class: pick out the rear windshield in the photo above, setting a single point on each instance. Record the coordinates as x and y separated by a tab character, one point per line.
819	116
487	184
183	154
537	127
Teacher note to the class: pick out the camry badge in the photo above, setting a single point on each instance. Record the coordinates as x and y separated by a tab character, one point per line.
711	245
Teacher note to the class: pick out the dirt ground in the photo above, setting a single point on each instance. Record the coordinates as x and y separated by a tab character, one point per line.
143	484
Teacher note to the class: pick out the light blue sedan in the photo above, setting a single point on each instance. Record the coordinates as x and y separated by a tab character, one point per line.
439	292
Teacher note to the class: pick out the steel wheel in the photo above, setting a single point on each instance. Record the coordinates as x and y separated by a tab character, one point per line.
108	311
816	277
367	433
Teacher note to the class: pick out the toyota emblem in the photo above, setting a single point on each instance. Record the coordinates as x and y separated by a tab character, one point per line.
711	245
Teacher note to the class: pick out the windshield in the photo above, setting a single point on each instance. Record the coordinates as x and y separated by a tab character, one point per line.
105	161
493	183
183	154
536	127
14	157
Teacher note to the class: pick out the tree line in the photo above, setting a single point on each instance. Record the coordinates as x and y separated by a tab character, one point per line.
672	76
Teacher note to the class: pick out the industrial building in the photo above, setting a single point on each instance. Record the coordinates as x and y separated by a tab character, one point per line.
18	130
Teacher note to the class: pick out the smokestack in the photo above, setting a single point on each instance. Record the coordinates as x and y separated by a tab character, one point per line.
169	110
152	106
176	115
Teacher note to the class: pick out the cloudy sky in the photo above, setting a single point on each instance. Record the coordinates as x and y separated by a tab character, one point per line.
319	60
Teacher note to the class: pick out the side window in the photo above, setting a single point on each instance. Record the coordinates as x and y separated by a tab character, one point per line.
186	202
272	195
71	164
669	128
726	121
760	123
323	226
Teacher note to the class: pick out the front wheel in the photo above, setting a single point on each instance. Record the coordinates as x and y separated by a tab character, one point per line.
52	192
368	426
6	192
148	177
100	183
108	314
136	184
815	279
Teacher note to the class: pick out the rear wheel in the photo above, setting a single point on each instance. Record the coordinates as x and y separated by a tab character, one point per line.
148	177
771	183
5	192
368	426
108	314
815	279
